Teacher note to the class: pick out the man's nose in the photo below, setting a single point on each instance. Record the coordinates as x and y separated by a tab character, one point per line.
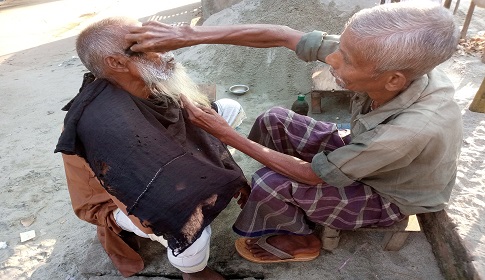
332	60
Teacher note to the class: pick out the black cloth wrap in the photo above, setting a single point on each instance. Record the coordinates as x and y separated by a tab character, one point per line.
172	175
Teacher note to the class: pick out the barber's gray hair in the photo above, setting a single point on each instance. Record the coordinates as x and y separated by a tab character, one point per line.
409	36
99	40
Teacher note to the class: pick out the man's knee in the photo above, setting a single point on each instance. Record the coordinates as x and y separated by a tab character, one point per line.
264	117
273	114
195	257
231	111
276	111
265	181
125	223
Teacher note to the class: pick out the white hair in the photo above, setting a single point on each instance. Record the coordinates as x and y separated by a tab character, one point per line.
411	36
106	37
99	40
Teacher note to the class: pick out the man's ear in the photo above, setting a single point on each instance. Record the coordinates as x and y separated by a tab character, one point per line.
117	63
396	81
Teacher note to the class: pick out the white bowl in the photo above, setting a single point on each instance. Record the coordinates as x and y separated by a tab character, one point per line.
239	89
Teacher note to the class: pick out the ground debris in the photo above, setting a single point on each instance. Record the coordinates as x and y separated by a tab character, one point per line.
26	222
26	236
473	45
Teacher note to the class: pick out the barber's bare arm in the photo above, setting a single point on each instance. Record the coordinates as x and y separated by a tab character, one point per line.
287	165
160	37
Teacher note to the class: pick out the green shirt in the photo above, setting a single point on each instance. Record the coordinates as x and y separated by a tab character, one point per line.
406	150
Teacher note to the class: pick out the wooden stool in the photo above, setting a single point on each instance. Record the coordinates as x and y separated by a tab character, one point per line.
393	240
323	83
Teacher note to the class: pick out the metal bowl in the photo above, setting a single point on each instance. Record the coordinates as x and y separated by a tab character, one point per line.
239	89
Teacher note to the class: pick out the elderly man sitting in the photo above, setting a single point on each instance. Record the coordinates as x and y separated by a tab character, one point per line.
135	164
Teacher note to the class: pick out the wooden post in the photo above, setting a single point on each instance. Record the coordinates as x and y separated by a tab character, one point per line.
447	4
483	55
468	18
478	103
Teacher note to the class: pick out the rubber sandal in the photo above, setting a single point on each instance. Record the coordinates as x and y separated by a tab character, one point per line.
262	242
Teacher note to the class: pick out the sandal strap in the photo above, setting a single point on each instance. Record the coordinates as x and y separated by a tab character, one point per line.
271	249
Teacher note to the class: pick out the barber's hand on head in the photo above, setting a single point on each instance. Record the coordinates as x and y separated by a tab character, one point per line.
155	36
243	195
207	119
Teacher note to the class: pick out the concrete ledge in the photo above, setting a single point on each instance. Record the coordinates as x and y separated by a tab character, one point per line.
454	259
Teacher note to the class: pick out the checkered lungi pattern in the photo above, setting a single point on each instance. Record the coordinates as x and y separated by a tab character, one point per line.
279	205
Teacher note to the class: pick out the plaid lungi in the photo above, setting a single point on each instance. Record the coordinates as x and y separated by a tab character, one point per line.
279	205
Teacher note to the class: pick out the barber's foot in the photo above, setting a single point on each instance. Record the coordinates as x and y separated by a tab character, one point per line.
206	274
294	245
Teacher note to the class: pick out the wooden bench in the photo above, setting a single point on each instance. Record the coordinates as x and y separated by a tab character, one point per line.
394	239
323	83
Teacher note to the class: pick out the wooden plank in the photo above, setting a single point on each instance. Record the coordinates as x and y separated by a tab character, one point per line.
396	234
330	238
393	241
316	102
411	224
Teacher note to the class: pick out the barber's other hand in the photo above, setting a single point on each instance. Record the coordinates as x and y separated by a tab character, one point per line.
155	36
207	119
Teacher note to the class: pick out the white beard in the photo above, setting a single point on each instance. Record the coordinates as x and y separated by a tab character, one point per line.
337	78
170	80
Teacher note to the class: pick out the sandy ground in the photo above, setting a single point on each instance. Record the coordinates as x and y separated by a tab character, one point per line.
40	72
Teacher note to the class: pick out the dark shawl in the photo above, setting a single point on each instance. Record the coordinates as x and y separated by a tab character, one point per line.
173	176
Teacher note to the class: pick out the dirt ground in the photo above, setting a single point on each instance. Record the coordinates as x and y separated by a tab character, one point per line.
40	72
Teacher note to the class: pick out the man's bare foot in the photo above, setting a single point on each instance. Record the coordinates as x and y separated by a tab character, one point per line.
291	244
206	274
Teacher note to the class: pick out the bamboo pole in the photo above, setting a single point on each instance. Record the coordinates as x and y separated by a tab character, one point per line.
447	4
468	18
478	103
